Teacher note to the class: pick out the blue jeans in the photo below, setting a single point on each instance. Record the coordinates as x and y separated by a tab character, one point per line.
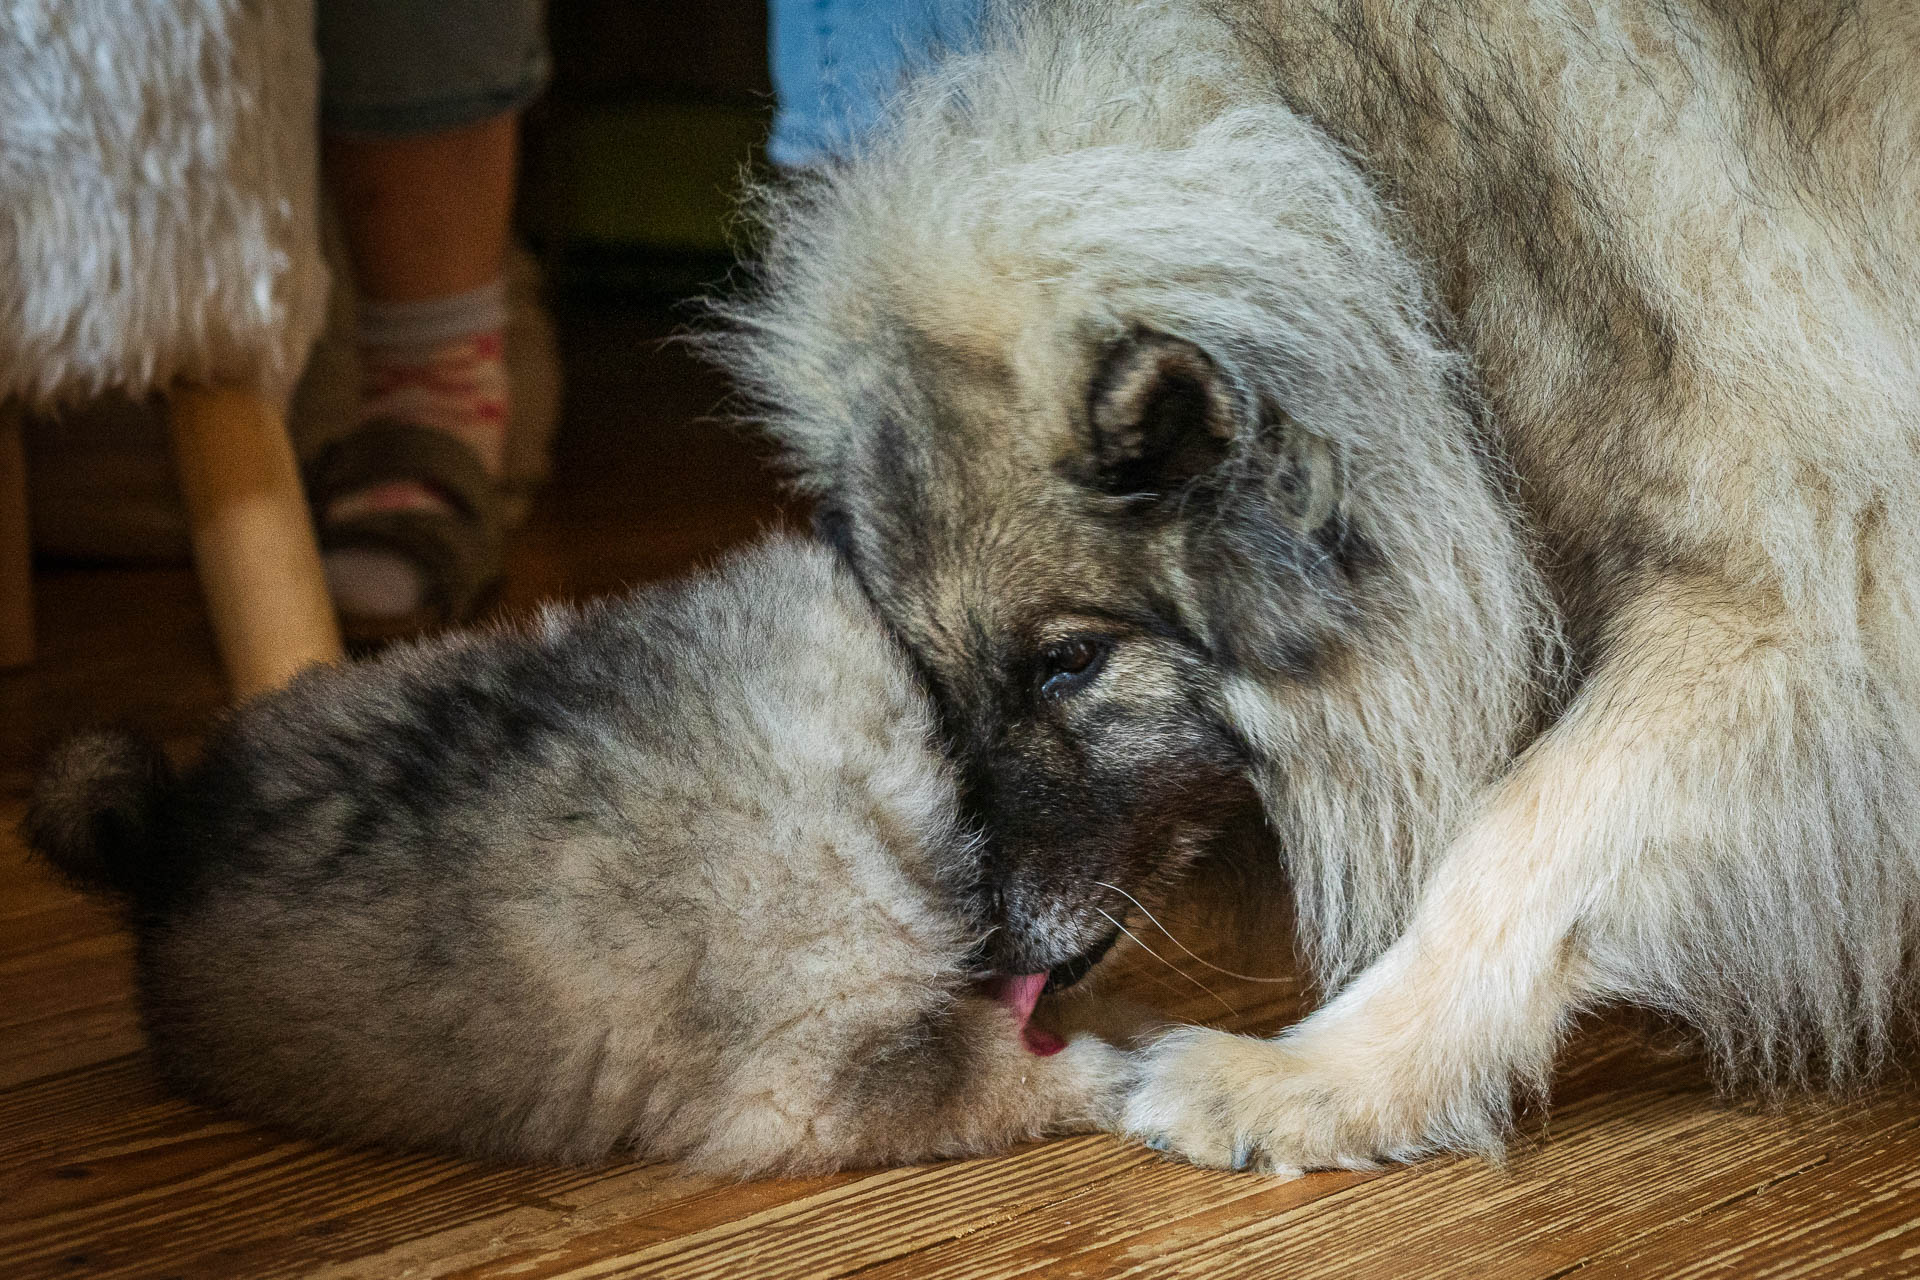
836	62
421	66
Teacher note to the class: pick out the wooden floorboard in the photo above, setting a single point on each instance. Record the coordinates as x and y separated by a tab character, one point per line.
1637	1169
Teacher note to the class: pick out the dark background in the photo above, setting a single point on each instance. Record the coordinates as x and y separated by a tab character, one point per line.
633	163
634	157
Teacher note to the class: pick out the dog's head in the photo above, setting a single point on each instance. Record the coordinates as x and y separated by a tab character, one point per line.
1133	427
1076	588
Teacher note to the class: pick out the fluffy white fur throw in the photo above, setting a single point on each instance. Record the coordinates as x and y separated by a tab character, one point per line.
157	194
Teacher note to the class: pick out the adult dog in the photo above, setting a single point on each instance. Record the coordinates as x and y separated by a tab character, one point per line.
1487	431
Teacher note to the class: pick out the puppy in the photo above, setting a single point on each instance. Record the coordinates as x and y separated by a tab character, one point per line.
678	875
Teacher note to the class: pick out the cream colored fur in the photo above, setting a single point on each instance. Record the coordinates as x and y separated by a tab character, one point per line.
1702	388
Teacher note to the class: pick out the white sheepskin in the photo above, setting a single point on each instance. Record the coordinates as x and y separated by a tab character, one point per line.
158	208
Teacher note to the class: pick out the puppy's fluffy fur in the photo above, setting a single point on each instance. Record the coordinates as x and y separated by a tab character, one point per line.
1497	421
678	875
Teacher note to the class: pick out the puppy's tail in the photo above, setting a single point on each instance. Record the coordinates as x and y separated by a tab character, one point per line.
94	810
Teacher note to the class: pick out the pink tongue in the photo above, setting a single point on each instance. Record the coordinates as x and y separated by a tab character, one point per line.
1020	993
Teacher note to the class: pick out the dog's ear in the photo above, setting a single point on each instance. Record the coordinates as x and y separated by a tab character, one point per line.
1159	412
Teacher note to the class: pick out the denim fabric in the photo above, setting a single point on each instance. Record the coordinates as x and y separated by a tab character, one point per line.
421	66
835	62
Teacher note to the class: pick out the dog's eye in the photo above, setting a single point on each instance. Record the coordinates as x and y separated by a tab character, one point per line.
1071	665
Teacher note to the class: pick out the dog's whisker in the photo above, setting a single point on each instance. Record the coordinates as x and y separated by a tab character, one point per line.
1170	964
1244	977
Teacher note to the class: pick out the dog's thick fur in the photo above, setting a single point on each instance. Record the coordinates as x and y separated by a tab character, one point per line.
680	875
1489	427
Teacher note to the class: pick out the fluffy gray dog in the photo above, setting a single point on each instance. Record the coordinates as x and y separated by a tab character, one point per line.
678	875
1484	435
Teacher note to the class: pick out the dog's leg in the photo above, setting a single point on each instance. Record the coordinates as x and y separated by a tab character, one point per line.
1697	724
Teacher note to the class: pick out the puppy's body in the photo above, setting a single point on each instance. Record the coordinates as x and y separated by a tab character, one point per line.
678	875
1489	428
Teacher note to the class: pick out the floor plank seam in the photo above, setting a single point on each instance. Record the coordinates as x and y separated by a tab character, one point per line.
67	1073
1701	1214
1013	1216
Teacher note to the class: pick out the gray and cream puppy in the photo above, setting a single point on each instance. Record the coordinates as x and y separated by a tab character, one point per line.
676	875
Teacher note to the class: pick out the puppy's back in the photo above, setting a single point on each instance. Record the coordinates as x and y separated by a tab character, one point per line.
552	892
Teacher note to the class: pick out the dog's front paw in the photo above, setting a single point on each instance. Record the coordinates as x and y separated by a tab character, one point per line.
1279	1107
1225	1102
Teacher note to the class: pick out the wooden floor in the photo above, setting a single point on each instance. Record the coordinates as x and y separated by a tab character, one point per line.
1638	1170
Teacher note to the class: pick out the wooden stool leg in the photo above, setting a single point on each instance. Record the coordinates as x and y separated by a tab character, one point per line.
252	537
16	550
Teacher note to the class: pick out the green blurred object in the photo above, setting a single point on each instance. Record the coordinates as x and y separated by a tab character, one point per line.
660	177
634	159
